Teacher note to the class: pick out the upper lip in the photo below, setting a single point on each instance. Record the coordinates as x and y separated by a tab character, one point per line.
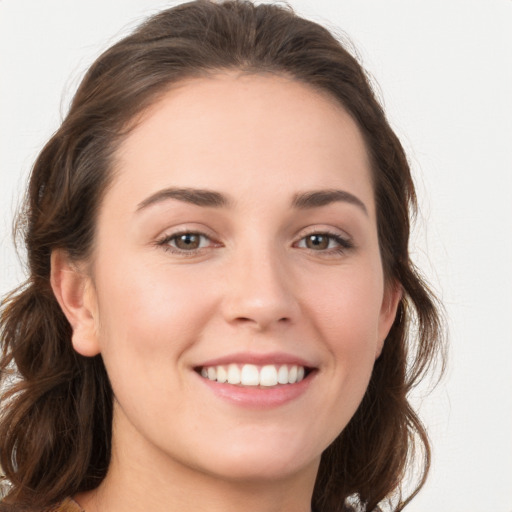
257	359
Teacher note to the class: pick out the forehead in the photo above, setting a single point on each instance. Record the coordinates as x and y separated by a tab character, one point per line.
239	132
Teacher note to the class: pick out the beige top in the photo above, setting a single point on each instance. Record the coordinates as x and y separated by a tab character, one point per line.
68	505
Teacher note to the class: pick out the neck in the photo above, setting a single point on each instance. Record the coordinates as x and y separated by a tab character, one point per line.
158	493
143	479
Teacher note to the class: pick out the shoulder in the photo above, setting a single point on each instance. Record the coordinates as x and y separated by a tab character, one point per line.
68	505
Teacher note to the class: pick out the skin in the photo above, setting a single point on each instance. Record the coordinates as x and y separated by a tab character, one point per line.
256	285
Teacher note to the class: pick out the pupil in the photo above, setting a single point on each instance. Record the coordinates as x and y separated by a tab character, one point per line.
317	242
188	241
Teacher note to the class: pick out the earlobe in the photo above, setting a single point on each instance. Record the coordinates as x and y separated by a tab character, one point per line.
75	294
392	296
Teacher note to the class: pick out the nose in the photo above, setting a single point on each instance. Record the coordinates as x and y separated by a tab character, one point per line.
259	292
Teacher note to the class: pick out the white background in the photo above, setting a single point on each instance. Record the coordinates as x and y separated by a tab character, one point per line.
445	73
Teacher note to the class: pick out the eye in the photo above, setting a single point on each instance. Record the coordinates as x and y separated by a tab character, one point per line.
326	242
185	242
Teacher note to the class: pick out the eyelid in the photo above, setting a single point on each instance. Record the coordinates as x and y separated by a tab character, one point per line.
324	229
163	241
345	241
185	227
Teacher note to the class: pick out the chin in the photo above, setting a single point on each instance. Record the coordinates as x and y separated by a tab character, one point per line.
261	461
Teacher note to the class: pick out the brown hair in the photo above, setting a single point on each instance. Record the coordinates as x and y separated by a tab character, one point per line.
55	423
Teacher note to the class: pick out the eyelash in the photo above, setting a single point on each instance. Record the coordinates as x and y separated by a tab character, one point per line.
165	243
343	244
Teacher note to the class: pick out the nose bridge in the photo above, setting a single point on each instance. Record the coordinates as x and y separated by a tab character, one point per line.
259	289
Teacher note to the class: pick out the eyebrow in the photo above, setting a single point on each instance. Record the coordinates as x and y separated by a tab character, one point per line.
212	199
319	198
199	197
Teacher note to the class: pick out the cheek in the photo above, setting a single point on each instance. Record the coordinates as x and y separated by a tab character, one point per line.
348	307
147	322
346	313
154	309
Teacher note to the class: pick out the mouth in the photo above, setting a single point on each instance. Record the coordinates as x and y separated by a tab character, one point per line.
253	375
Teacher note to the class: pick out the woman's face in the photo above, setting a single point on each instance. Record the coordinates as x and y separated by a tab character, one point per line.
237	241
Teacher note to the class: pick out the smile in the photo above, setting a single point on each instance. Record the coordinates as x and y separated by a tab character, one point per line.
268	375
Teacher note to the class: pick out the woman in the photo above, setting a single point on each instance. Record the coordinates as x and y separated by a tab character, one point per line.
220	292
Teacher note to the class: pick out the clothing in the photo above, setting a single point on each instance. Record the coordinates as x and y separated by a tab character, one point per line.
68	505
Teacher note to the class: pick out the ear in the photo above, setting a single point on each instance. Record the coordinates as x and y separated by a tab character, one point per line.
76	296
392	295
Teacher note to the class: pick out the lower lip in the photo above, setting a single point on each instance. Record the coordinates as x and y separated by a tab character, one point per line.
256	396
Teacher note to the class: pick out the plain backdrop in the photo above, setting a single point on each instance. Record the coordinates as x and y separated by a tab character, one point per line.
444	69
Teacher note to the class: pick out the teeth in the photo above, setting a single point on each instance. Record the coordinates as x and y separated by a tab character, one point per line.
292	375
268	375
252	375
282	375
212	373
222	374
233	374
